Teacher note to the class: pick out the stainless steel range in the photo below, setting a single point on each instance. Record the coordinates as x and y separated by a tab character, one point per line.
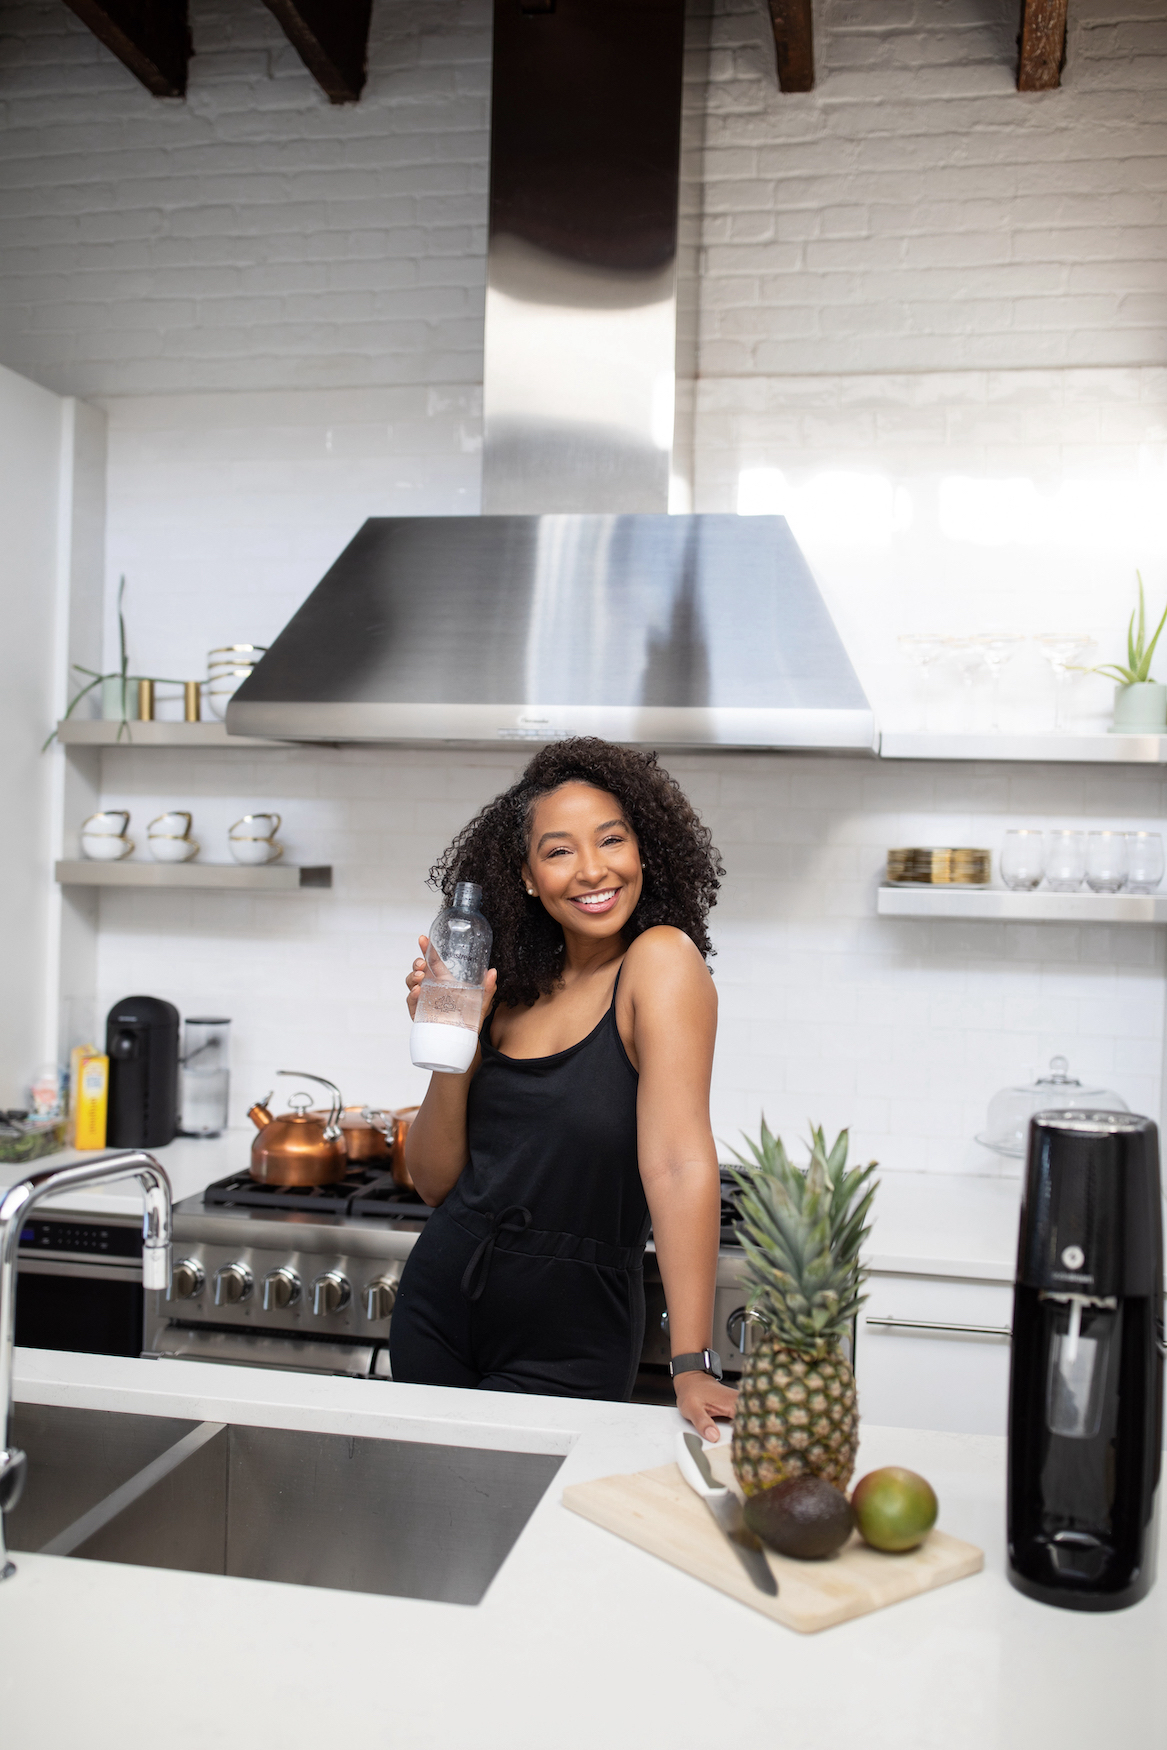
306	1278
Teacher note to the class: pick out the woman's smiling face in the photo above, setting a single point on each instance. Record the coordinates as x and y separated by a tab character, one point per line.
584	861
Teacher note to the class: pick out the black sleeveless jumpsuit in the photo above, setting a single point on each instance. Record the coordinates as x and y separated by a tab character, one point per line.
528	1278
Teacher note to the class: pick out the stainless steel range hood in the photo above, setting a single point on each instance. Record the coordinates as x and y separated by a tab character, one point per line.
576	606
682	631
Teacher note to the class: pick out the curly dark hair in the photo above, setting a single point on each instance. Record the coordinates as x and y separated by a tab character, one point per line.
680	863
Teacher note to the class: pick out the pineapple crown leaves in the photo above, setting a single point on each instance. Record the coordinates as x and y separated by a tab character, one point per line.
802	1229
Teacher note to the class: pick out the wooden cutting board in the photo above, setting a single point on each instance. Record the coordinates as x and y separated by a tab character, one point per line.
659	1511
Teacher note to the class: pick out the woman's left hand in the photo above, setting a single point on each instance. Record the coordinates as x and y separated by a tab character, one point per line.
700	1397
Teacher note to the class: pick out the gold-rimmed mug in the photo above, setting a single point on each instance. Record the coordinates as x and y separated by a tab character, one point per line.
103	836
174	824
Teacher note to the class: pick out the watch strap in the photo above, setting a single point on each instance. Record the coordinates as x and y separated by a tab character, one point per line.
701	1361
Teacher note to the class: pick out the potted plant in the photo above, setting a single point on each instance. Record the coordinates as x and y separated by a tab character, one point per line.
1140	704
118	687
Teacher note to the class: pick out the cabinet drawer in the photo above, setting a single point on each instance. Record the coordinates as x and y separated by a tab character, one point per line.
934	1353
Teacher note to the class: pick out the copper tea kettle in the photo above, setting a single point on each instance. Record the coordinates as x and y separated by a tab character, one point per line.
299	1147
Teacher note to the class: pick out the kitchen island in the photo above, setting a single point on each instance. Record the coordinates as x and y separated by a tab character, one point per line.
581	1639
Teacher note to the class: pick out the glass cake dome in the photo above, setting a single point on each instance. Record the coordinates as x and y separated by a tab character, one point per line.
1007	1126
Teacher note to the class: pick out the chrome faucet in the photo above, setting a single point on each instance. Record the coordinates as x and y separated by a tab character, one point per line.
15	1205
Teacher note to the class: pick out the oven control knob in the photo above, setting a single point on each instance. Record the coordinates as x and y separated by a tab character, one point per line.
380	1296
740	1328
330	1293
233	1283
186	1280
281	1288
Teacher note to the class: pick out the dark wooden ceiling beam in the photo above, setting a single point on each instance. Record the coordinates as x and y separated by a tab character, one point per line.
331	37
1042	45
150	37
794	43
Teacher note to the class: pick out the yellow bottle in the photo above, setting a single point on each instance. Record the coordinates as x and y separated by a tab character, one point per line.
76	1058
92	1100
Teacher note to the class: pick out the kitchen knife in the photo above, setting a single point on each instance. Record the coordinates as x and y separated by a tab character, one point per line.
726	1510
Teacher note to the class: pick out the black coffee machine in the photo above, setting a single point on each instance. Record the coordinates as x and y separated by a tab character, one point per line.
141	1041
1086	1382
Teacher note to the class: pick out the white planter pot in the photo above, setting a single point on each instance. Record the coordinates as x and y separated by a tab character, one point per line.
1140	709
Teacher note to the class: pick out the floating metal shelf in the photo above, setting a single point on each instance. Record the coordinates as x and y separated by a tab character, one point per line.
1118	750
97	732
266	878
1001	905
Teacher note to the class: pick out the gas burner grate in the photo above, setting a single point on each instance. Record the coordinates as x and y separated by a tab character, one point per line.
384	1198
343	1197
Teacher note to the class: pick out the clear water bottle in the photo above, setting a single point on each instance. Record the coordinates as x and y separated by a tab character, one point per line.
449	999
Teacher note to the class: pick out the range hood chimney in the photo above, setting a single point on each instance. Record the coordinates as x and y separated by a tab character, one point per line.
574	604
581	293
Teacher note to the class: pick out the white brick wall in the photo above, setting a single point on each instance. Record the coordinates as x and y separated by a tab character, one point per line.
912	274
903	1029
915	212
957	501
253	236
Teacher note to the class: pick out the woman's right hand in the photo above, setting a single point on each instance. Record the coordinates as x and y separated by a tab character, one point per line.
417	974
413	982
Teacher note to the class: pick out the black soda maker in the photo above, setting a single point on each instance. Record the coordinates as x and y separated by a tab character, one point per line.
1086	1384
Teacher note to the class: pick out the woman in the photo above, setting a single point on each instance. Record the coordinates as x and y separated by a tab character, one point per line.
586	1110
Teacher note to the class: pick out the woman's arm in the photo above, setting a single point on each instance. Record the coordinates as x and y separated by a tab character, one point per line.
674	1024
435	1143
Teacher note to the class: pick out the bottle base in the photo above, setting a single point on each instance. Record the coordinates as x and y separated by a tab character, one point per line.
446	1050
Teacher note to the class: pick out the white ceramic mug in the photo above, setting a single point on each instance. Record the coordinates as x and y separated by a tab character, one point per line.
255	850
174	824
103	836
256	826
172	850
168	837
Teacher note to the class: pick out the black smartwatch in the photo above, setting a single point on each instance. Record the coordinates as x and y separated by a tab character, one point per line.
703	1361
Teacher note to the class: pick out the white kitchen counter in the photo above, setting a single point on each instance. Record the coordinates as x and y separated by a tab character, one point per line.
582	1640
945	1224
191	1162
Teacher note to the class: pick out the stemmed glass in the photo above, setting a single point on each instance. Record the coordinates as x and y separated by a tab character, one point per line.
925	650
996	649
966	655
1062	650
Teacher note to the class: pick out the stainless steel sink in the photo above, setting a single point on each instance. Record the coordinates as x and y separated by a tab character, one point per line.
360	1515
75	1459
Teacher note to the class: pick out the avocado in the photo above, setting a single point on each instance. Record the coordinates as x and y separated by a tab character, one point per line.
805	1516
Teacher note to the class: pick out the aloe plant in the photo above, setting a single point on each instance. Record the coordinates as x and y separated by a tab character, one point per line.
1139	652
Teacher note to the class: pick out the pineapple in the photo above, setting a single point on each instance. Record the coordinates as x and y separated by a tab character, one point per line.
801	1229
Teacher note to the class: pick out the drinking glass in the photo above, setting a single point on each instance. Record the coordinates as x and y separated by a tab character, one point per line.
206	1078
1065	859
1022	859
1144	861
924	649
1062	651
1106	862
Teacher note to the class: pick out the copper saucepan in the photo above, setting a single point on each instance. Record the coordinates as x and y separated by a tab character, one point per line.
364	1137
299	1147
390	1128
375	1136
